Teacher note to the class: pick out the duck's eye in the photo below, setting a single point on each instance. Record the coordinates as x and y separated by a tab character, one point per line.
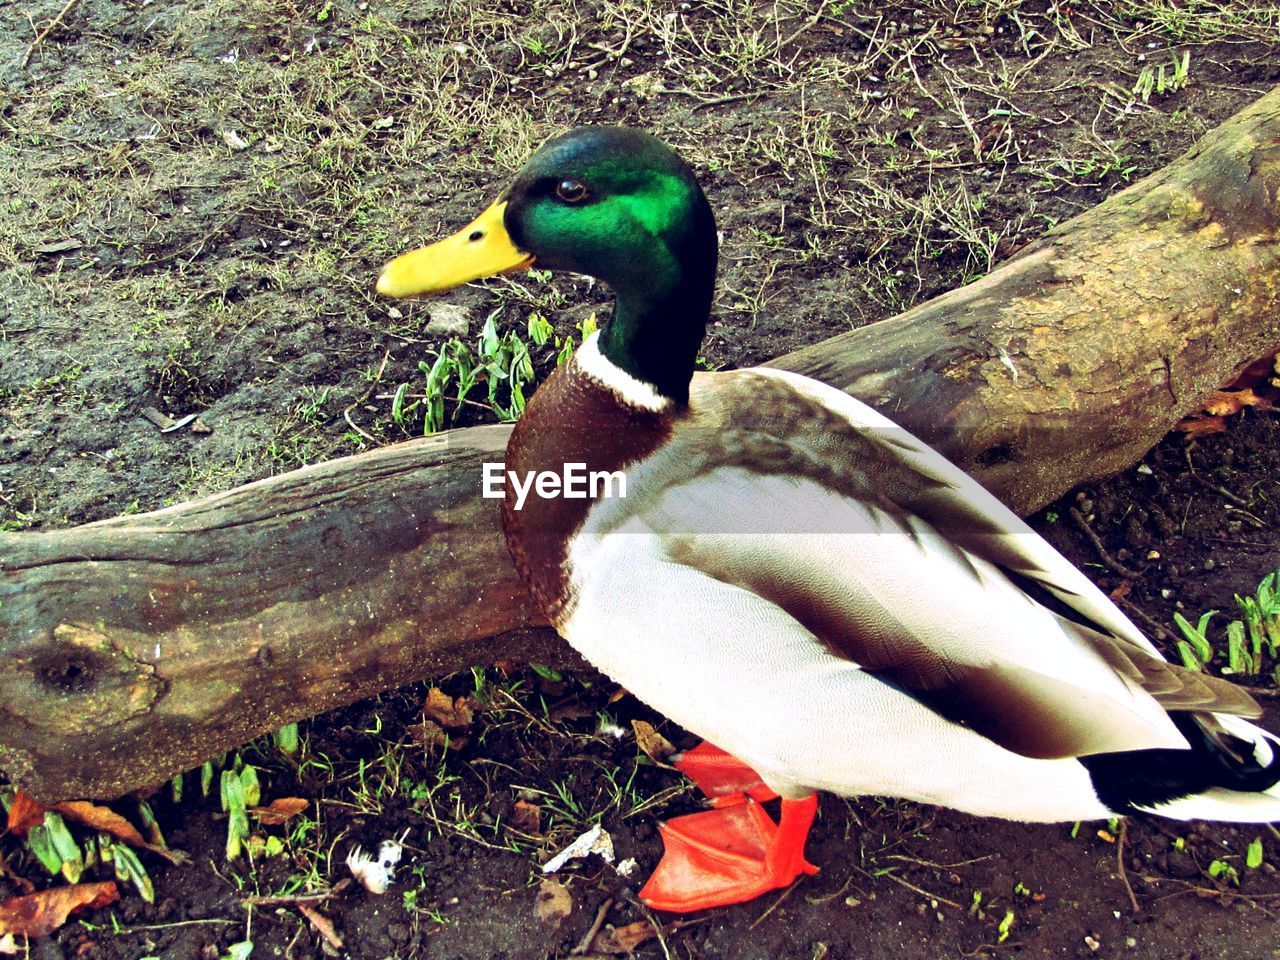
571	191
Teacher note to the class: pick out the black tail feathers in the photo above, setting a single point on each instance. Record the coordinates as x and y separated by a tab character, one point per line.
1135	779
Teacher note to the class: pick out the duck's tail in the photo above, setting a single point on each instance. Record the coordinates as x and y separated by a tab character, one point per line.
1231	773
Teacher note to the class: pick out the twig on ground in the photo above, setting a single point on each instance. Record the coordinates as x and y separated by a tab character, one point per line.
773	906
377	378
1110	562
1157	629
1208	892
1120	867
657	927
911	886
52	25
942	866
297	899
806	26
1220	491
585	943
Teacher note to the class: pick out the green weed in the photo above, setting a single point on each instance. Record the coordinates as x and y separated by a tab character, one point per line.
1195	649
1221	870
56	848
286	739
1163	78
240	790
1251	642
1253	856
501	363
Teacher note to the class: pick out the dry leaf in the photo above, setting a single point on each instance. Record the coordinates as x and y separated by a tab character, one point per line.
1226	403
553	905
117	153
103	819
280	810
106	820
430	734
324	926
571	708
653	744
24	814
1256	373
451	713
59	246
526	817
1201	426
623	939
39	914
159	418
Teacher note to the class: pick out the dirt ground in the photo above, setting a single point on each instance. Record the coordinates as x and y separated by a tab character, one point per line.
200	195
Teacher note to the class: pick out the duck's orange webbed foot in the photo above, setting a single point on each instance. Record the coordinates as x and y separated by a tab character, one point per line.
722	777
735	852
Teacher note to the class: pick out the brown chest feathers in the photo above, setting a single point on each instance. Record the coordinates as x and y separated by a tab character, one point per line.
571	420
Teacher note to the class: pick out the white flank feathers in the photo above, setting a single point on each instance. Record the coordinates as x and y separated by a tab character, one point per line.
741	671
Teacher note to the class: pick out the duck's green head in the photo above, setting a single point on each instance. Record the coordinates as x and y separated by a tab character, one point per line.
615	204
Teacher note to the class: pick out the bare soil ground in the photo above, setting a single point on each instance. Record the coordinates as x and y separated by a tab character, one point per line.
199	195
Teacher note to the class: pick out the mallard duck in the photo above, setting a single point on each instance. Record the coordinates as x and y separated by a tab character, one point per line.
791	576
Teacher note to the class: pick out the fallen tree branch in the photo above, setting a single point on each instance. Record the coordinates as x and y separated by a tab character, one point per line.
137	647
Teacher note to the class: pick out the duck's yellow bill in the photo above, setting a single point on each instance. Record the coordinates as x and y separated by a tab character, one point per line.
480	249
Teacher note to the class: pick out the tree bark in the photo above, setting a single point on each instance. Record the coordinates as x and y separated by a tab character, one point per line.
138	647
